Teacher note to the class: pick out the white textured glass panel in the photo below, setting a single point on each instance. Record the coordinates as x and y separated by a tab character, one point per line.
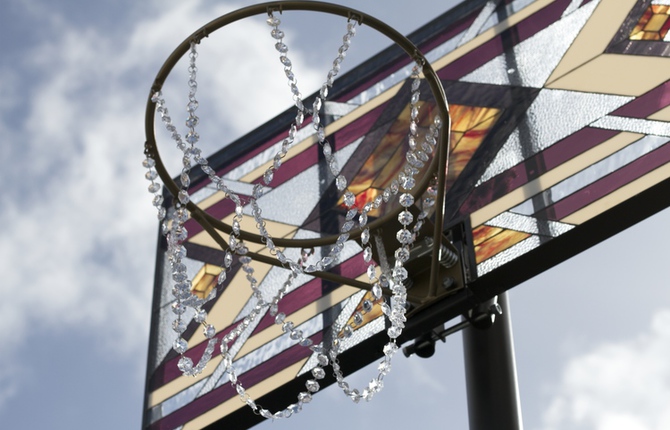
543	126
573	6
175	402
531	62
508	10
508	255
479	22
634	125
203	193
338	109
528	224
593	173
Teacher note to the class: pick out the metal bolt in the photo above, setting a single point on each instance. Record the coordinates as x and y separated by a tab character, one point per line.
448	282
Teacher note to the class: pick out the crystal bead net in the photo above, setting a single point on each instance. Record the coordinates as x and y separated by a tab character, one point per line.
176	234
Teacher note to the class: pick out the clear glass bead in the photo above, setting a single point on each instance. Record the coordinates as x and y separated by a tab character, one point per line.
341	183
416	83
363	219
209	331
407	182
371	272
367	305
386	194
192	106
377	201
367	254
180	345
405	217
413	160
185	365
365	236
318	373
267	177
312	386
404	236
333	166
178	308
151	175
287	326
347	226
399	274
183	197
377	291
322	359
406	200
394	187
349	199
200	316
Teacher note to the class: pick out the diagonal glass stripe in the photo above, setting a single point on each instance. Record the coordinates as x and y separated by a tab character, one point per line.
504	13
479	22
529	224
508	255
634	125
591	174
175	402
272	348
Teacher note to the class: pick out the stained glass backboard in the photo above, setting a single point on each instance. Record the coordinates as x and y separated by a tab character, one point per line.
560	129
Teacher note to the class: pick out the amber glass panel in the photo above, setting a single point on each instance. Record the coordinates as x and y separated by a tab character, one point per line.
206	280
653	24
484	232
498	243
470	126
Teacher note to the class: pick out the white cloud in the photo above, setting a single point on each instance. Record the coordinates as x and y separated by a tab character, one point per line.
624	385
79	232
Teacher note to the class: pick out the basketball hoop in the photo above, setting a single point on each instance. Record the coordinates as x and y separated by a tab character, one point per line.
430	149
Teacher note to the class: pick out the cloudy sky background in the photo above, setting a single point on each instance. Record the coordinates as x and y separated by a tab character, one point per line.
78	234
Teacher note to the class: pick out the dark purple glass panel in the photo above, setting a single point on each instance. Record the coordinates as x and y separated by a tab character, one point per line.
535	166
225	392
646	104
506	40
608	184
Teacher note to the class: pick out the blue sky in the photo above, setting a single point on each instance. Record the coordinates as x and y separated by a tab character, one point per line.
78	240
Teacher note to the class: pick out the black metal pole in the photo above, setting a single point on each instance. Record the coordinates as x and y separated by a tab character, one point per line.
490	374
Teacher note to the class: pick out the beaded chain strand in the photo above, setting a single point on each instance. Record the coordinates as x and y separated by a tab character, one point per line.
176	234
